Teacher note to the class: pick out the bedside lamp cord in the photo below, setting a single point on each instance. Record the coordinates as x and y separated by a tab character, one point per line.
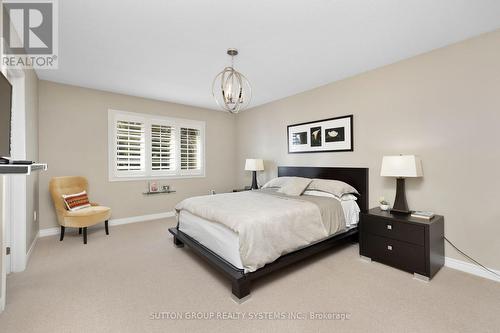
472	259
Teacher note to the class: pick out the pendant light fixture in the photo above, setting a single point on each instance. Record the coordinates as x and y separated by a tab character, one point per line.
231	89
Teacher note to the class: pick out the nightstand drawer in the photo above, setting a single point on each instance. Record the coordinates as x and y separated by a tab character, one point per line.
402	231
392	252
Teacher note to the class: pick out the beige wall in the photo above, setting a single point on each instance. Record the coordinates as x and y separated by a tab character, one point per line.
73	130
443	106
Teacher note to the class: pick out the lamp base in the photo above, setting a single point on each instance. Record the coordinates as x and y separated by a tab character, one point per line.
254	181
400	204
400	212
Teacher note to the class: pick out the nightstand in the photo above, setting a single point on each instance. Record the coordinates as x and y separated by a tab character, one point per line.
411	244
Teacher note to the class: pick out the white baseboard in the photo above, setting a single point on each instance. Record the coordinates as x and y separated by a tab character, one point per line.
32	246
114	222
470	268
143	218
48	232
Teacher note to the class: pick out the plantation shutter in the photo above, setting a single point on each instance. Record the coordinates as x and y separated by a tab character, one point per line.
190	148
162	148
129	146
143	146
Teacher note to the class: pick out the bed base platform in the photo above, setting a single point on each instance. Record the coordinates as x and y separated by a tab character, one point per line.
240	280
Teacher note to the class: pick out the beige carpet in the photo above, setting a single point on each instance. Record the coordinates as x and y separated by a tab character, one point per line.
116	283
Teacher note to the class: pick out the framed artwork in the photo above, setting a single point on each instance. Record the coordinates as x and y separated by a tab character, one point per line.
327	135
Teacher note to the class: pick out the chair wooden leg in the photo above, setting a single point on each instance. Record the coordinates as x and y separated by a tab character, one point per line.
79	231
85	235
106	227
62	234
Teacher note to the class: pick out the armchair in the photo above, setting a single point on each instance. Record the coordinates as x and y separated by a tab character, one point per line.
82	218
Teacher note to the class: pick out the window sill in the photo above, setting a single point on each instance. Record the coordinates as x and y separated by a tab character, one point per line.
131	179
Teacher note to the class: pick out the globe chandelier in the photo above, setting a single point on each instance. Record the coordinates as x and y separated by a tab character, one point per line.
231	90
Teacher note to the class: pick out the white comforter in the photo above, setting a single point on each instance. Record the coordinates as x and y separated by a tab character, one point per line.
268	225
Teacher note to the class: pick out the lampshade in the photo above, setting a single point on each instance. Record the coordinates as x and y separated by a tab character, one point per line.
254	164
401	166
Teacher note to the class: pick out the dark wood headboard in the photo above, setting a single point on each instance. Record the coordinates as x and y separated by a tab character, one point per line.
356	177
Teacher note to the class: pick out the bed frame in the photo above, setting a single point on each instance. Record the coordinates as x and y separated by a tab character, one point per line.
357	177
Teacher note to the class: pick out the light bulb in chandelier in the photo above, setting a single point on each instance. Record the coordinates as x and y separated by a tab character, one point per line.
231	89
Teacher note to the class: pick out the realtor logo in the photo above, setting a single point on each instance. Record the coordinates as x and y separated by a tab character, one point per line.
29	34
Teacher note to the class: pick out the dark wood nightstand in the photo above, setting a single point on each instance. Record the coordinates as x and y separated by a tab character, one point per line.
411	244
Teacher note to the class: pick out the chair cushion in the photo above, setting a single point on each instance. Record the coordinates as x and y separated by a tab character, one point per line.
87	216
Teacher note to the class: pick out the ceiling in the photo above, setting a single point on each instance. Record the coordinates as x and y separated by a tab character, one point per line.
171	50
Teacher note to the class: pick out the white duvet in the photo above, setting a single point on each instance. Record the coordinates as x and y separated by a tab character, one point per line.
268	225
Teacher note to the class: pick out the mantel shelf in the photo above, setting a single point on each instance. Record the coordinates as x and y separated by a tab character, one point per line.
20	169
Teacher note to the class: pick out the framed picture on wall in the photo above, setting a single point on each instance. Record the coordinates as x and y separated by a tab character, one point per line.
327	135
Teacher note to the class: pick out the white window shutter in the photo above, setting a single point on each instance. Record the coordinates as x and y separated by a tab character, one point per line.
162	148
129	146
190	148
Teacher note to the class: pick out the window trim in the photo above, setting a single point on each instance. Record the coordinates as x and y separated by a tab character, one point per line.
148	173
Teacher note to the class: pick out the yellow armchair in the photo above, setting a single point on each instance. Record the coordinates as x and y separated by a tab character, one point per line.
82	218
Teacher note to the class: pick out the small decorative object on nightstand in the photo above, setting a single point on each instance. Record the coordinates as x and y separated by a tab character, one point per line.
254	165
412	244
401	167
384	205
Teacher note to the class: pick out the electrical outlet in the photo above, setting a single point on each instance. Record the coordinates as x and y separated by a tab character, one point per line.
34	216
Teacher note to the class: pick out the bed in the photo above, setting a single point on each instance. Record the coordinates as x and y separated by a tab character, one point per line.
276	239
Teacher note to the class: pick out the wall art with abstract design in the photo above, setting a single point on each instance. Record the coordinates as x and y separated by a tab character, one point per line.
327	135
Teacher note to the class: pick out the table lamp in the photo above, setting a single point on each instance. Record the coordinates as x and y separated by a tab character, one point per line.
401	167
254	165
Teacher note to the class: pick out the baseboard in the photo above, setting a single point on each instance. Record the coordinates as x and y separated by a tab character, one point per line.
32	246
143	218
114	222
48	232
471	268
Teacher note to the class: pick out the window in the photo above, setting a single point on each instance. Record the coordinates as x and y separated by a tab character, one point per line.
144	146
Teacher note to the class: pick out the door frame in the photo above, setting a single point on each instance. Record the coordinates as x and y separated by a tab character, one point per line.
16	184
3	266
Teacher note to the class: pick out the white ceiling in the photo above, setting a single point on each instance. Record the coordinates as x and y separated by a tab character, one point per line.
171	50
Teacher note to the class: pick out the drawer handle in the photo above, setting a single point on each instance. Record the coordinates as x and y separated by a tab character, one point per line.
389	227
389	247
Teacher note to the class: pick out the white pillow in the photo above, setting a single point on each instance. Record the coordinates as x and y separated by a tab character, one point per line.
276	182
335	187
319	194
295	186
349	197
280	181
345	197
